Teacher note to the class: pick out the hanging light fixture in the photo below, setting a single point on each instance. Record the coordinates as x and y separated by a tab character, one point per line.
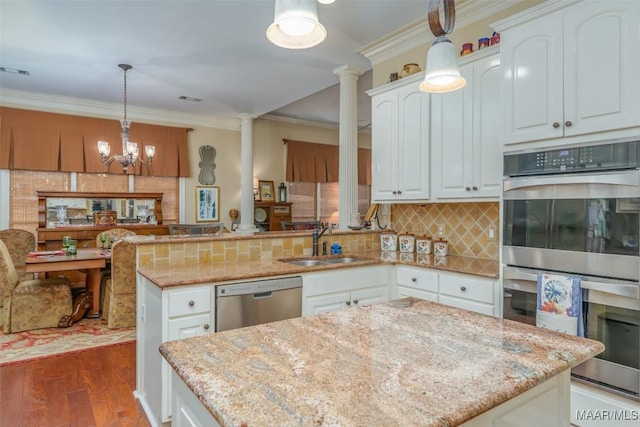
295	25
442	73
130	153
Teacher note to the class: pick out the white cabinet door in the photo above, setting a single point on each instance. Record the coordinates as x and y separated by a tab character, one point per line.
384	144
601	66
400	143
572	72
413	165
467	152
368	296
325	303
531	61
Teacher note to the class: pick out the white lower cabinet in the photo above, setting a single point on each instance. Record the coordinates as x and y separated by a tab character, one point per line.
165	315
188	410
344	288
416	282
457	290
469	292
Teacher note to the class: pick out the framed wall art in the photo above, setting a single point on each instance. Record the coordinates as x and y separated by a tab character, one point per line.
207	204
266	191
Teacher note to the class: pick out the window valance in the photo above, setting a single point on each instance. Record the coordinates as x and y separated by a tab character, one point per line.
313	162
39	141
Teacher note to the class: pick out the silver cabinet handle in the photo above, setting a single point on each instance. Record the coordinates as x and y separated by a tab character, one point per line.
556	124
399	192
395	192
348	302
568	123
414	279
191	303
206	326
467	188
475	188
355	301
463	288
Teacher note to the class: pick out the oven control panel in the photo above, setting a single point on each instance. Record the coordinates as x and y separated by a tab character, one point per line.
623	155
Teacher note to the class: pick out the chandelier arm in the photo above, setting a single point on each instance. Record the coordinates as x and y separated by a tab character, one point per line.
433	16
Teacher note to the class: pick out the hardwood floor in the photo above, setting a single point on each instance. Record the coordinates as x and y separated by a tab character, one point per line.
89	388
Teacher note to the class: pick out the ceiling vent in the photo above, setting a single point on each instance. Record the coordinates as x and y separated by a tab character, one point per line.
14	71
190	98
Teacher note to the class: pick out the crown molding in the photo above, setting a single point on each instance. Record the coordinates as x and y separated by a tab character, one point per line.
532	13
83	107
418	34
302	122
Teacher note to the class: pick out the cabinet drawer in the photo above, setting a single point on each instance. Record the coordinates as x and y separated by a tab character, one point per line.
192	326
417	278
193	301
466	304
467	288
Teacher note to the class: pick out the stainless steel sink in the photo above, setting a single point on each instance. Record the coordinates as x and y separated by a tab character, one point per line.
306	262
343	260
312	262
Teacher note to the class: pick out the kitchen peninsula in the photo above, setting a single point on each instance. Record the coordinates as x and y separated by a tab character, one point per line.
404	362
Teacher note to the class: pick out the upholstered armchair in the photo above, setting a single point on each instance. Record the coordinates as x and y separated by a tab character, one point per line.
119	307
31	304
19	243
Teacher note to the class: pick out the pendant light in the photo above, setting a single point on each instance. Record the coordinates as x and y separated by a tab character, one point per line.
295	25
442	73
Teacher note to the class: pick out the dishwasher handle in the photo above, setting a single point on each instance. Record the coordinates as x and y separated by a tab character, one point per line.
263	295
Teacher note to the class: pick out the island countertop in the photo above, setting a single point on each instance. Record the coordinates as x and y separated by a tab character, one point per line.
403	362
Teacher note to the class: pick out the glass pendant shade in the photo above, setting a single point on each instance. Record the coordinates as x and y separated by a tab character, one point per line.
295	25
442	73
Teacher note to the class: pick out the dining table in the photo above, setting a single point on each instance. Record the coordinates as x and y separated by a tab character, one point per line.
90	260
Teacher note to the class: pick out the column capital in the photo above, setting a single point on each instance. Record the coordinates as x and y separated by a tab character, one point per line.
247	116
348	70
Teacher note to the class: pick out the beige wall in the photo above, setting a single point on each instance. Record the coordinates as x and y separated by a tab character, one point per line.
268	157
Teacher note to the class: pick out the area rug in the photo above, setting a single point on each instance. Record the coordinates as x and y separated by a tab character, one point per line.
50	342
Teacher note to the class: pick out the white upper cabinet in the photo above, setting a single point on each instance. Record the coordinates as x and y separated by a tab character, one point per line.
400	142
571	72
465	126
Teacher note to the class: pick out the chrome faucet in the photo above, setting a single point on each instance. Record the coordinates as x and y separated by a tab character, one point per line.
316	236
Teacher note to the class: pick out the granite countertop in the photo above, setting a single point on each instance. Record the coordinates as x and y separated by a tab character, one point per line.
255	269
403	362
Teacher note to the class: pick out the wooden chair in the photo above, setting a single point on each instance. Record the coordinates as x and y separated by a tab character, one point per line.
210	228
31	304
19	243
113	235
299	225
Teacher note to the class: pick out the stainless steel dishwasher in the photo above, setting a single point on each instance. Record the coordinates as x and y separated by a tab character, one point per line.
252	303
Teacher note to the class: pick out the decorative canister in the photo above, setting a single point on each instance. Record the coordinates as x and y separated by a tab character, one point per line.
483	42
406	242
423	245
440	247
467	48
105	217
388	241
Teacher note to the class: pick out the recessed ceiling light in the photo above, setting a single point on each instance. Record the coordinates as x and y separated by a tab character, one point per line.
14	71
190	98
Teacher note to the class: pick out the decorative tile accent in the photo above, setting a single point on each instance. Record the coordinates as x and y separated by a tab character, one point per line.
466	225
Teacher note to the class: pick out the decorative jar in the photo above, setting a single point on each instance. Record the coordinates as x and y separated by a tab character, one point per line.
406	242
423	245
440	247
388	241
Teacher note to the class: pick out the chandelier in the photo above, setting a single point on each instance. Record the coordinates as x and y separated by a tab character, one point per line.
441	72
130	153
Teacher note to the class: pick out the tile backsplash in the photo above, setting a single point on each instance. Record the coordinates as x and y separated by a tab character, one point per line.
466	225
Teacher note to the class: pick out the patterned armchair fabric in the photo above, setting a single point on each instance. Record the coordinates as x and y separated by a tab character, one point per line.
115	234
19	243
119	306
31	304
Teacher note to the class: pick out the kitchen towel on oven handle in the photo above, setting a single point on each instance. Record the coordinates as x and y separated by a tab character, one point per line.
560	304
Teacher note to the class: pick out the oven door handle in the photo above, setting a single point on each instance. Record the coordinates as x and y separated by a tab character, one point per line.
624	178
620	289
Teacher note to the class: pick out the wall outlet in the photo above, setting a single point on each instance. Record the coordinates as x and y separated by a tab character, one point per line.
441	232
492	234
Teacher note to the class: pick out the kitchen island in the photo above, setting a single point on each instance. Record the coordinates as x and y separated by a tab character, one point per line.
405	362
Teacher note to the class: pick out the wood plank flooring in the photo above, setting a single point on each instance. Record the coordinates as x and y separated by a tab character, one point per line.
84	389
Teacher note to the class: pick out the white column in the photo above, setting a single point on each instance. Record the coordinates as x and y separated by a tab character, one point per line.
246	175
348	139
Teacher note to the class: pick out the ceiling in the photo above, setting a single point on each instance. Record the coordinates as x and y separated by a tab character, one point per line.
214	50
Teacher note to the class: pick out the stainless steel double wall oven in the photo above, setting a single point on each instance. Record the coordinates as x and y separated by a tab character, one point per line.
575	211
